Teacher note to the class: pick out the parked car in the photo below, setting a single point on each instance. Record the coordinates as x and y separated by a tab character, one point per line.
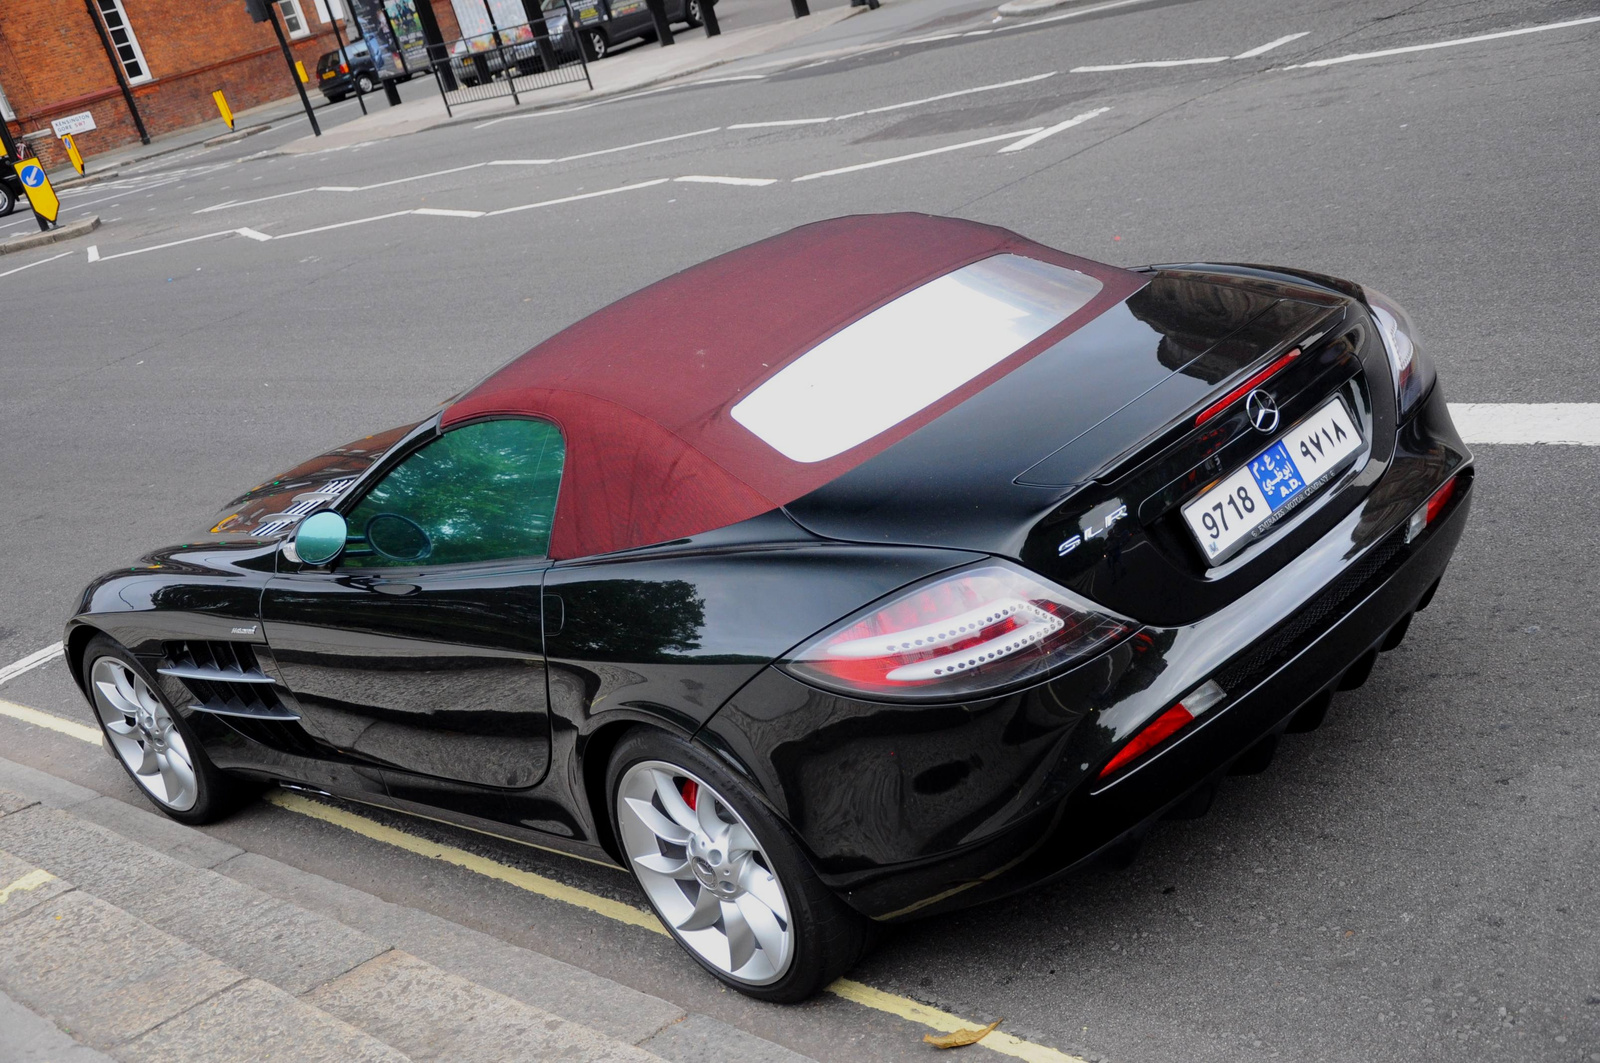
604	24
11	192
338	79
951	571
478	59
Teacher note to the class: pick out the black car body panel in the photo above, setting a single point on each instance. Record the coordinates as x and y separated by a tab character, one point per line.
490	694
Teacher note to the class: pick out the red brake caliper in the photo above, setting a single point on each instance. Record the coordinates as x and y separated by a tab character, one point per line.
690	790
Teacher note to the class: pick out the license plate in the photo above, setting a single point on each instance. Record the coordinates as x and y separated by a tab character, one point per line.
326	74
1240	505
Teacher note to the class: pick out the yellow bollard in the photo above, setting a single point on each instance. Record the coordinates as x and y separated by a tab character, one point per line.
300	68
222	105
72	152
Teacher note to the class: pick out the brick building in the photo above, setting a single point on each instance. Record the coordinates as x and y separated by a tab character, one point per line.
173	54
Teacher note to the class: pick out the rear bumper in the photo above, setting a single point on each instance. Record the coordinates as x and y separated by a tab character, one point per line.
984	799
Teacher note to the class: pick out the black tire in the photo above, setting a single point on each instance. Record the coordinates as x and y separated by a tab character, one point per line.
691	13
340	98
595	43
218	794
8	201
828	936
366	84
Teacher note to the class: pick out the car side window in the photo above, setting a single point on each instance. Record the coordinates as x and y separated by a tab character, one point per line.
482	492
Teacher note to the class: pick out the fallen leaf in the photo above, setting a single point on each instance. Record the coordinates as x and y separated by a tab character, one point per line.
960	1038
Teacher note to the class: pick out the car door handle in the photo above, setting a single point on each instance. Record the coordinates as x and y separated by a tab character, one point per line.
392	588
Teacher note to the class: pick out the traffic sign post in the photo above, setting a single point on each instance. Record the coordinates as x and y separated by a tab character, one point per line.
41	197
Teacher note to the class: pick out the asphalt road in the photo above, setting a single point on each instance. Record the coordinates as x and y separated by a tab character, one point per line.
1416	880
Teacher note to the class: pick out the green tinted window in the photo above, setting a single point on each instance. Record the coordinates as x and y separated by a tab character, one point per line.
479	493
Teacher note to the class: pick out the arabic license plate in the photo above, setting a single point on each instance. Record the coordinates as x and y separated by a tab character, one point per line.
1239	505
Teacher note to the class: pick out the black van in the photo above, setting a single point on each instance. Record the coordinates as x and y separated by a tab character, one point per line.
337	79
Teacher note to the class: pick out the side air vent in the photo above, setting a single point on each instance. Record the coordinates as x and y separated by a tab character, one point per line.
225	678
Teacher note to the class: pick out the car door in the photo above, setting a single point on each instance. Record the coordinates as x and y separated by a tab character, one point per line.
629	19
420	649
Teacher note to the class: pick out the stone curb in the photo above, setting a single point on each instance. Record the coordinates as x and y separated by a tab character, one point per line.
87	179
66	232
237	134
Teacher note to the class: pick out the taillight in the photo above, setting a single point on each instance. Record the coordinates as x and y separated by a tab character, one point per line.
972	631
1413	374
1198	703
1430	510
344	68
1255	381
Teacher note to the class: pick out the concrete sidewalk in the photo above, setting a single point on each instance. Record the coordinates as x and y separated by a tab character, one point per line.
617	75
126	935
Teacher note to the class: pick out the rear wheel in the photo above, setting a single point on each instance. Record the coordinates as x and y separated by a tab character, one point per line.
598	46
725	877
365	83
152	742
8	201
691	13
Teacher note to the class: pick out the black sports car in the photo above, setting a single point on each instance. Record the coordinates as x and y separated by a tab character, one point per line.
876	569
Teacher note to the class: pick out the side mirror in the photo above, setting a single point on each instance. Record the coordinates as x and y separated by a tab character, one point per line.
320	538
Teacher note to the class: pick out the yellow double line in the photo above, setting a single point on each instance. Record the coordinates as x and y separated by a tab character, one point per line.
857	992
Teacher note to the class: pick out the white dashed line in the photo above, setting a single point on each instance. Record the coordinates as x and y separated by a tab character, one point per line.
1354	57
707	179
1030	141
1269	46
30	265
252	234
640	144
574	199
919	154
335	225
780	122
1555	423
30	662
1151	65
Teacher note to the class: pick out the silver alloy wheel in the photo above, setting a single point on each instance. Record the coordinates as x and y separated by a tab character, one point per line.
597	44
143	734
705	872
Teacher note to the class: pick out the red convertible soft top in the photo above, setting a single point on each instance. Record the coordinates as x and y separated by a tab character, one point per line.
644	390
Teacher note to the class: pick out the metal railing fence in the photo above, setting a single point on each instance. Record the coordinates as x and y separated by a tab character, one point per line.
511	60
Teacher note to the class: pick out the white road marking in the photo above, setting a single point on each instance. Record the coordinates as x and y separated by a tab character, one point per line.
1269	46
31	661
1030	141
520	162
1446	44
30	265
917	155
339	225
585	195
706	179
1152	64
731	77
253	234
1488	423
959	92
439	212
780	122
1073	14
95	256
640	144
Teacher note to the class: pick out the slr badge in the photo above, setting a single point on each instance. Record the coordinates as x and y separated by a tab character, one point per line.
1262	409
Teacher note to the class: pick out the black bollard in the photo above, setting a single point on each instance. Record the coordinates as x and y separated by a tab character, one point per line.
708	15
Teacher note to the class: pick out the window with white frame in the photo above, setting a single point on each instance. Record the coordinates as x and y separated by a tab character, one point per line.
328	10
123	40
294	20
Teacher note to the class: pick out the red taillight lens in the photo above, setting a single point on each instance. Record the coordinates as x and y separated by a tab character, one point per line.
1440	499
1156	731
344	68
974	630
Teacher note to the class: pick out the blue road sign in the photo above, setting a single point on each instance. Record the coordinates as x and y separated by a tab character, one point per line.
32	174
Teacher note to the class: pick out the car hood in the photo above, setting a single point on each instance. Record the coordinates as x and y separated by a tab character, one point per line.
980	476
272	508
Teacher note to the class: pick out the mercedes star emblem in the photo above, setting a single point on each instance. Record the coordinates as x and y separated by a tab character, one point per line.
1262	409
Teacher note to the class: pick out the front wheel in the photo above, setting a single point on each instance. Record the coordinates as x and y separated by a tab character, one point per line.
365	84
599	47
724	876
691	13
154	743
8	201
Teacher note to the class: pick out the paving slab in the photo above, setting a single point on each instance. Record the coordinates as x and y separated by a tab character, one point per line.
151	828
29	1038
101	974
24	887
253	1022
43	787
264	937
702	1039
608	1007
14	802
430	1014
